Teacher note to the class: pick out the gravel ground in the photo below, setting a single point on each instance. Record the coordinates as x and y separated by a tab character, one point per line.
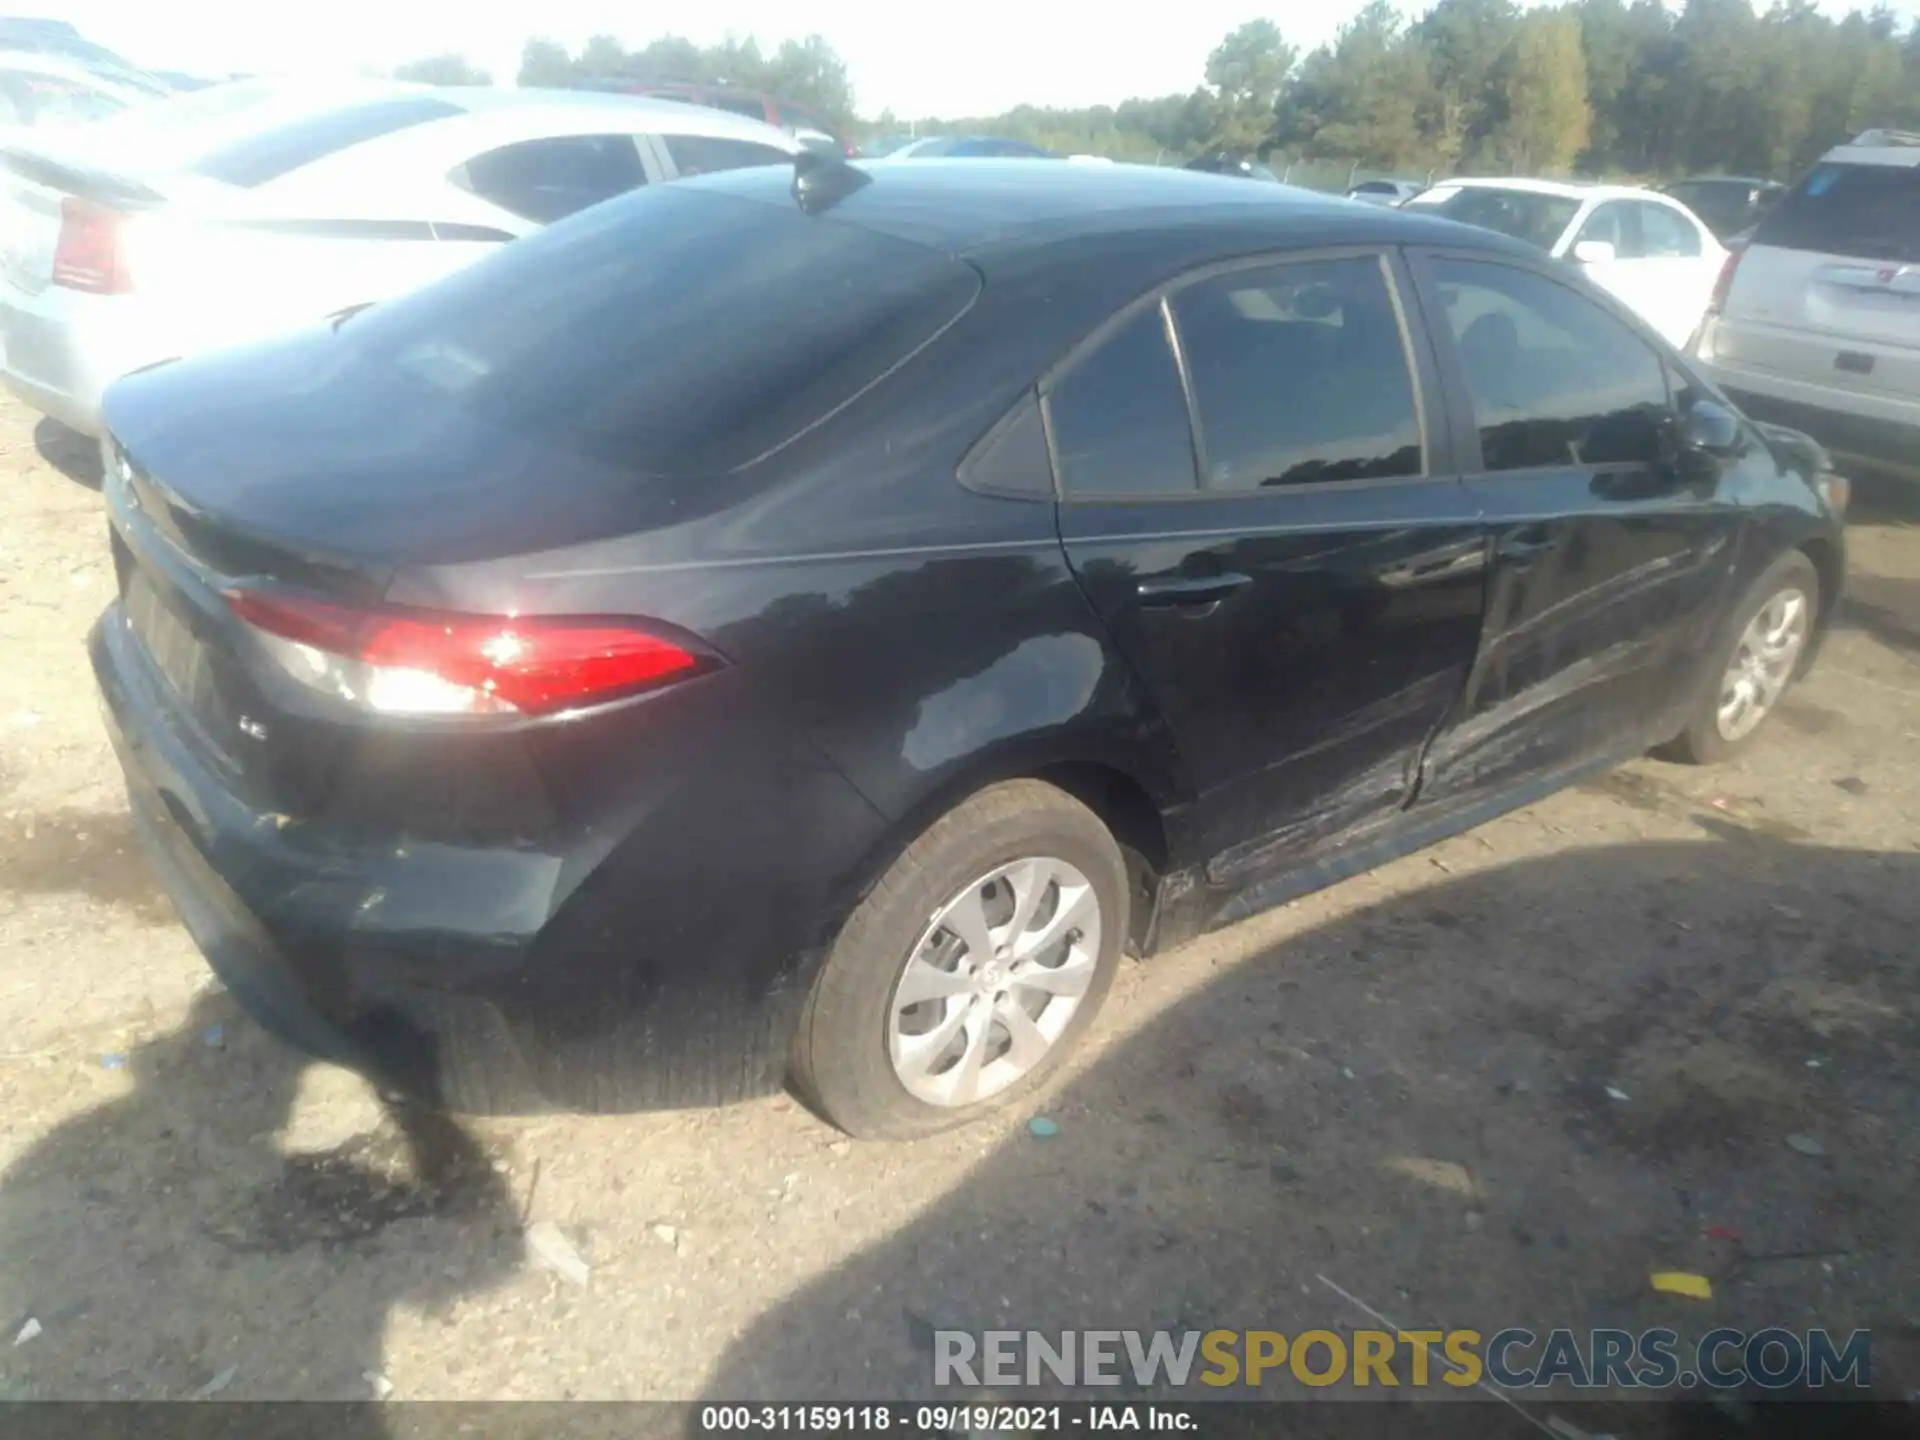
1408	1085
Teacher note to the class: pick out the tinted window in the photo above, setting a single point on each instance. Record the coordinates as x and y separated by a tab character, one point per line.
1120	419
1665	232
1375	187
1555	380
1523	214
1868	212
704	154
671	331
1299	374
547	180
270	153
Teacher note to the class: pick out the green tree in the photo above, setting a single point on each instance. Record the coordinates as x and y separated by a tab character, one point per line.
1246	71
545	64
1541	83
1467	40
1365	97
601	58
442	70
810	72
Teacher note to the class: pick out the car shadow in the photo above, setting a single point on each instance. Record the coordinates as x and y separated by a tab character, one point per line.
166	1245
74	455
1501	1100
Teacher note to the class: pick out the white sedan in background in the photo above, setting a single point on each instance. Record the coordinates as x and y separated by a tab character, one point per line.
233	213
1650	251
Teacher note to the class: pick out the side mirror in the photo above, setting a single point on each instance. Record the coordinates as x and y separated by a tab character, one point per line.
1710	428
1593	252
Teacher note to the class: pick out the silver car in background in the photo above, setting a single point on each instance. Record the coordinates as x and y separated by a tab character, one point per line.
248	209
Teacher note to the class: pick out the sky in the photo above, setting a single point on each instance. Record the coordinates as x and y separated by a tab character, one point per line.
978	59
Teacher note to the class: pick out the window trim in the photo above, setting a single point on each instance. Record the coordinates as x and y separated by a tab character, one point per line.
1458	395
1437	448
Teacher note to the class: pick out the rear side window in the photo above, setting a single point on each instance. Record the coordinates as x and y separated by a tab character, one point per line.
1300	375
676	331
547	180
1119	417
279	149
704	154
1555	379
1865	212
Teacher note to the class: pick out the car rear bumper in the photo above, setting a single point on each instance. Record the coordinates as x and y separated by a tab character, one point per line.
1852	439
60	350
490	978
1876	429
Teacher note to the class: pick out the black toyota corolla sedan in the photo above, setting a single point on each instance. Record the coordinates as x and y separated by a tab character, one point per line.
809	625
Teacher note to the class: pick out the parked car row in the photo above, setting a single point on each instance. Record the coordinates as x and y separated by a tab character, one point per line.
809	619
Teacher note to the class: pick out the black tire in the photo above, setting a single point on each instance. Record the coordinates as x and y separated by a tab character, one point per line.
1702	742
840	1057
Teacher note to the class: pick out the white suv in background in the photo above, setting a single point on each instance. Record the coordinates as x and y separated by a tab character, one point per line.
1816	323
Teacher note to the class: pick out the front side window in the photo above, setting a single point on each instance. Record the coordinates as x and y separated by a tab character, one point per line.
1300	375
1119	417
1614	224
549	179
1555	380
1665	233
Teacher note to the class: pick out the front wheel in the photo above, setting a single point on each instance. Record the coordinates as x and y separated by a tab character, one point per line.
970	970
1757	658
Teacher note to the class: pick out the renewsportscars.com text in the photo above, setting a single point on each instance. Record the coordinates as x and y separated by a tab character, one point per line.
1511	1359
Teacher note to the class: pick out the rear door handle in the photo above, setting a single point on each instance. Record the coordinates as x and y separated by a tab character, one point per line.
1528	544
1171	590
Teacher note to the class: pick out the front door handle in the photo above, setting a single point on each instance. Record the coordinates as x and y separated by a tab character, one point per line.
1170	590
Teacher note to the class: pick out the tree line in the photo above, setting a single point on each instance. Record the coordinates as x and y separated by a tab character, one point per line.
1600	87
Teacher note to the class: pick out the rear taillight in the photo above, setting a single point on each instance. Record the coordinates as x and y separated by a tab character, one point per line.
1718	301
404	662
88	255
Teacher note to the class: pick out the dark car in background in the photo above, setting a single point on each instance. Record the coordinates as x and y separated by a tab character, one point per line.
822	649
1242	167
1731	205
803	124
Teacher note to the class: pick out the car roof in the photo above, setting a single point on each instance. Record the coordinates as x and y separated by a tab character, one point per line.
968	205
1752	182
1565	189
1878	147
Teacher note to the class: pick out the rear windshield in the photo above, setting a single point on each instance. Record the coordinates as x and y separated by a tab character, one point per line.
1865	212
680	330
275	150
1523	214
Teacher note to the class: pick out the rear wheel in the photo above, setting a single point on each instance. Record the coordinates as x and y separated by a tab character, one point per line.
1757	658
971	968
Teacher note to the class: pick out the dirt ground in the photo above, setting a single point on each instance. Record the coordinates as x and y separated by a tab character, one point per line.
1493	1084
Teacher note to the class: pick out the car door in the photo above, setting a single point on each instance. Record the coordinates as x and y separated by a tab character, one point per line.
1679	262
1616	224
1254	501
1610	551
